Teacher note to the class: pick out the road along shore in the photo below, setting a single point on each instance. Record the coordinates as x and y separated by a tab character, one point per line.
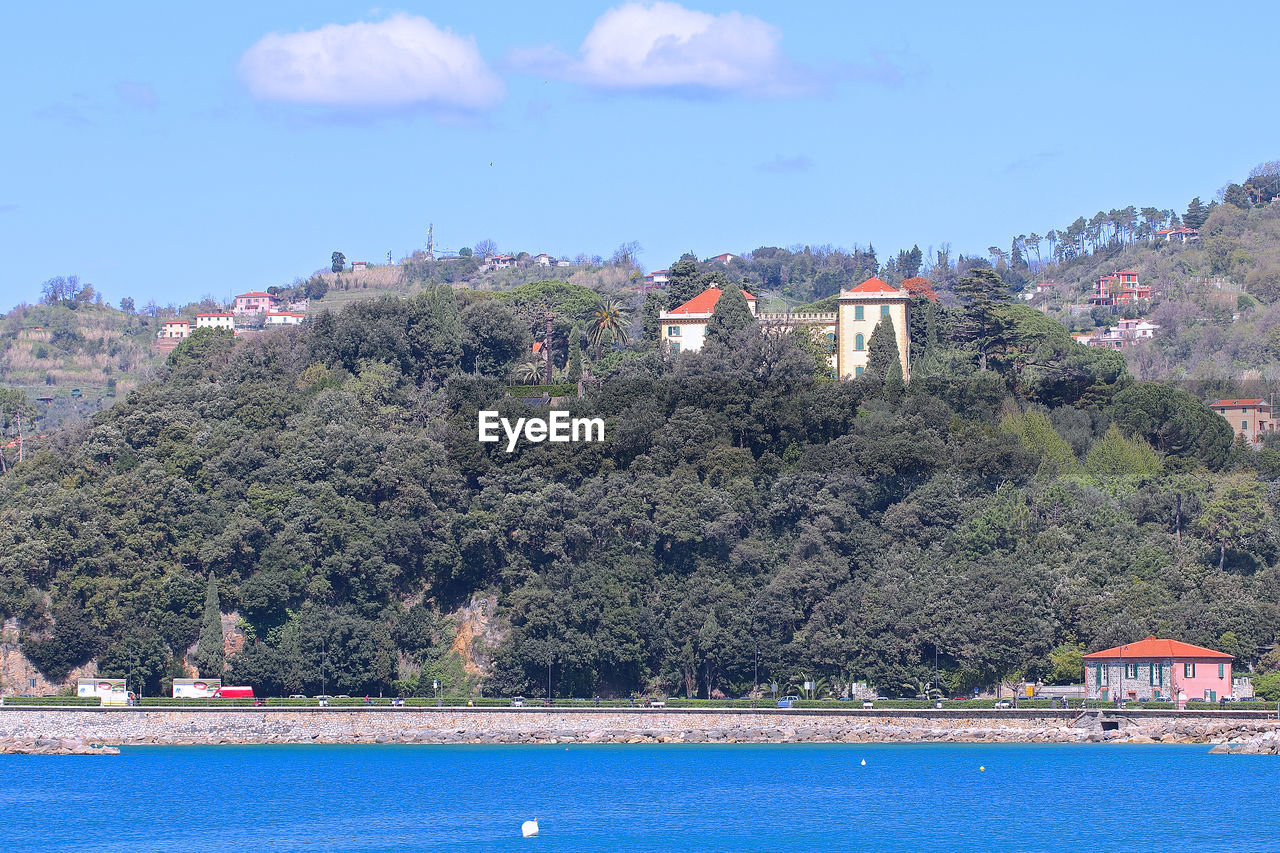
92	730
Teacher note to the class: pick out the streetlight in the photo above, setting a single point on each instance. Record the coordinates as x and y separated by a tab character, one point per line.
550	653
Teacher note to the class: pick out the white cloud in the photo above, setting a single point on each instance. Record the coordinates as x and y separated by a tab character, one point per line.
403	61
664	46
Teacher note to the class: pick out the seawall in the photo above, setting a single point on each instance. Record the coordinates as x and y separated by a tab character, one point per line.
22	727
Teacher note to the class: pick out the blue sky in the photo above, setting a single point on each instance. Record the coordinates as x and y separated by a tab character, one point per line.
167	151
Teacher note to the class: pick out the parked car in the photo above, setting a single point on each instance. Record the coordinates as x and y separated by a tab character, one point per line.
296	696
1004	703
788	701
517	702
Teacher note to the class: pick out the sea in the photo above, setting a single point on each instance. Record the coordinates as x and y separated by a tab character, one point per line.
770	797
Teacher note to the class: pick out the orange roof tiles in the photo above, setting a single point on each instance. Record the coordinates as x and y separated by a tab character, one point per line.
874	285
1255	401
1153	648
705	302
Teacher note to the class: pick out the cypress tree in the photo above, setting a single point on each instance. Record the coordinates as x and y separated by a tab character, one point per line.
882	352
731	315
446	338
209	656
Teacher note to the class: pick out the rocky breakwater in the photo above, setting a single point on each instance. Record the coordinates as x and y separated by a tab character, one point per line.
145	726
54	746
1249	741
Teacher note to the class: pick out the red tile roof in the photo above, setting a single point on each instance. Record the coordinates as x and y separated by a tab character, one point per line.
1256	401
1153	648
874	285
705	302
255	293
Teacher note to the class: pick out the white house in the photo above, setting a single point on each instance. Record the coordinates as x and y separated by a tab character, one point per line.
285	318
216	321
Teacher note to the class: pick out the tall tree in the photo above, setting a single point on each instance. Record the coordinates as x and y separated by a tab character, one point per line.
210	661
683	281
884	362
732	314
1196	214
338	262
982	292
609	321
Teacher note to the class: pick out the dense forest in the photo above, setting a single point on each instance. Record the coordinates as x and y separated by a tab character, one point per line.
745	520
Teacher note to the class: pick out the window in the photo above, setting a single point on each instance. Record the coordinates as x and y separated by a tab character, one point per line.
857	371
1100	674
1157	674
675	346
859	343
1131	670
858	312
673	331
1244	425
884	310
1222	670
1188	670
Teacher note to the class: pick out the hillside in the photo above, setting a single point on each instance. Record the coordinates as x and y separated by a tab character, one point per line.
74	357
322	494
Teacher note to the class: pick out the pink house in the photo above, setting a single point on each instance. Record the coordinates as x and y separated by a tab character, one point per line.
1157	669
256	302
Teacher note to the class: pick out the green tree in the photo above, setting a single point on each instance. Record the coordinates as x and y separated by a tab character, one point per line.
683	281
1174	422
1196	214
15	410
608	322
209	658
731	315
982	293
1237	511
492	337
884	362
339	262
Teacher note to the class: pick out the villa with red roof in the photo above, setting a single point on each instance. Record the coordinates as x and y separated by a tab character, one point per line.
848	329
1250	418
684	328
256	302
1163	670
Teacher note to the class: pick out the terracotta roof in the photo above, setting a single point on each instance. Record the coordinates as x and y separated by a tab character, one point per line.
215	315
1153	648
705	302
537	346
874	285
255	293
1255	401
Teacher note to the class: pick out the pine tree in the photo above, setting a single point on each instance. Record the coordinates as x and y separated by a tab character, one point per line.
732	315
683	281
983	292
655	302
1196	214
209	655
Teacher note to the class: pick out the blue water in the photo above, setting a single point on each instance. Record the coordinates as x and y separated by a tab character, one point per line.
643	798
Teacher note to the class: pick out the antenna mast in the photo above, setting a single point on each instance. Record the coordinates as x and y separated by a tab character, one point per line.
431	241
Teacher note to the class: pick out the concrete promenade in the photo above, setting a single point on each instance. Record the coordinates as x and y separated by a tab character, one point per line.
21	728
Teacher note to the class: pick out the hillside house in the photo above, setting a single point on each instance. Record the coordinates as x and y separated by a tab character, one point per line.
498	262
658	277
1251	418
256	302
542	260
174	329
285	318
1127	333
359	266
216	321
848	330
1185	235
723	259
1119	288
1166	670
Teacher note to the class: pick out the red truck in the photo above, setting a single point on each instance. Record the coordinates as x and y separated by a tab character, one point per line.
234	693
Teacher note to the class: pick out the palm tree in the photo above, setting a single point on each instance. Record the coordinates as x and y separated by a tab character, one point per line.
610	319
529	372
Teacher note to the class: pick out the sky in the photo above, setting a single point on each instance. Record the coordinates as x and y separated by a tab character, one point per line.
169	151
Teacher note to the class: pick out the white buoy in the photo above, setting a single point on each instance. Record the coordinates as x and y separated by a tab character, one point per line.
864	762
529	828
